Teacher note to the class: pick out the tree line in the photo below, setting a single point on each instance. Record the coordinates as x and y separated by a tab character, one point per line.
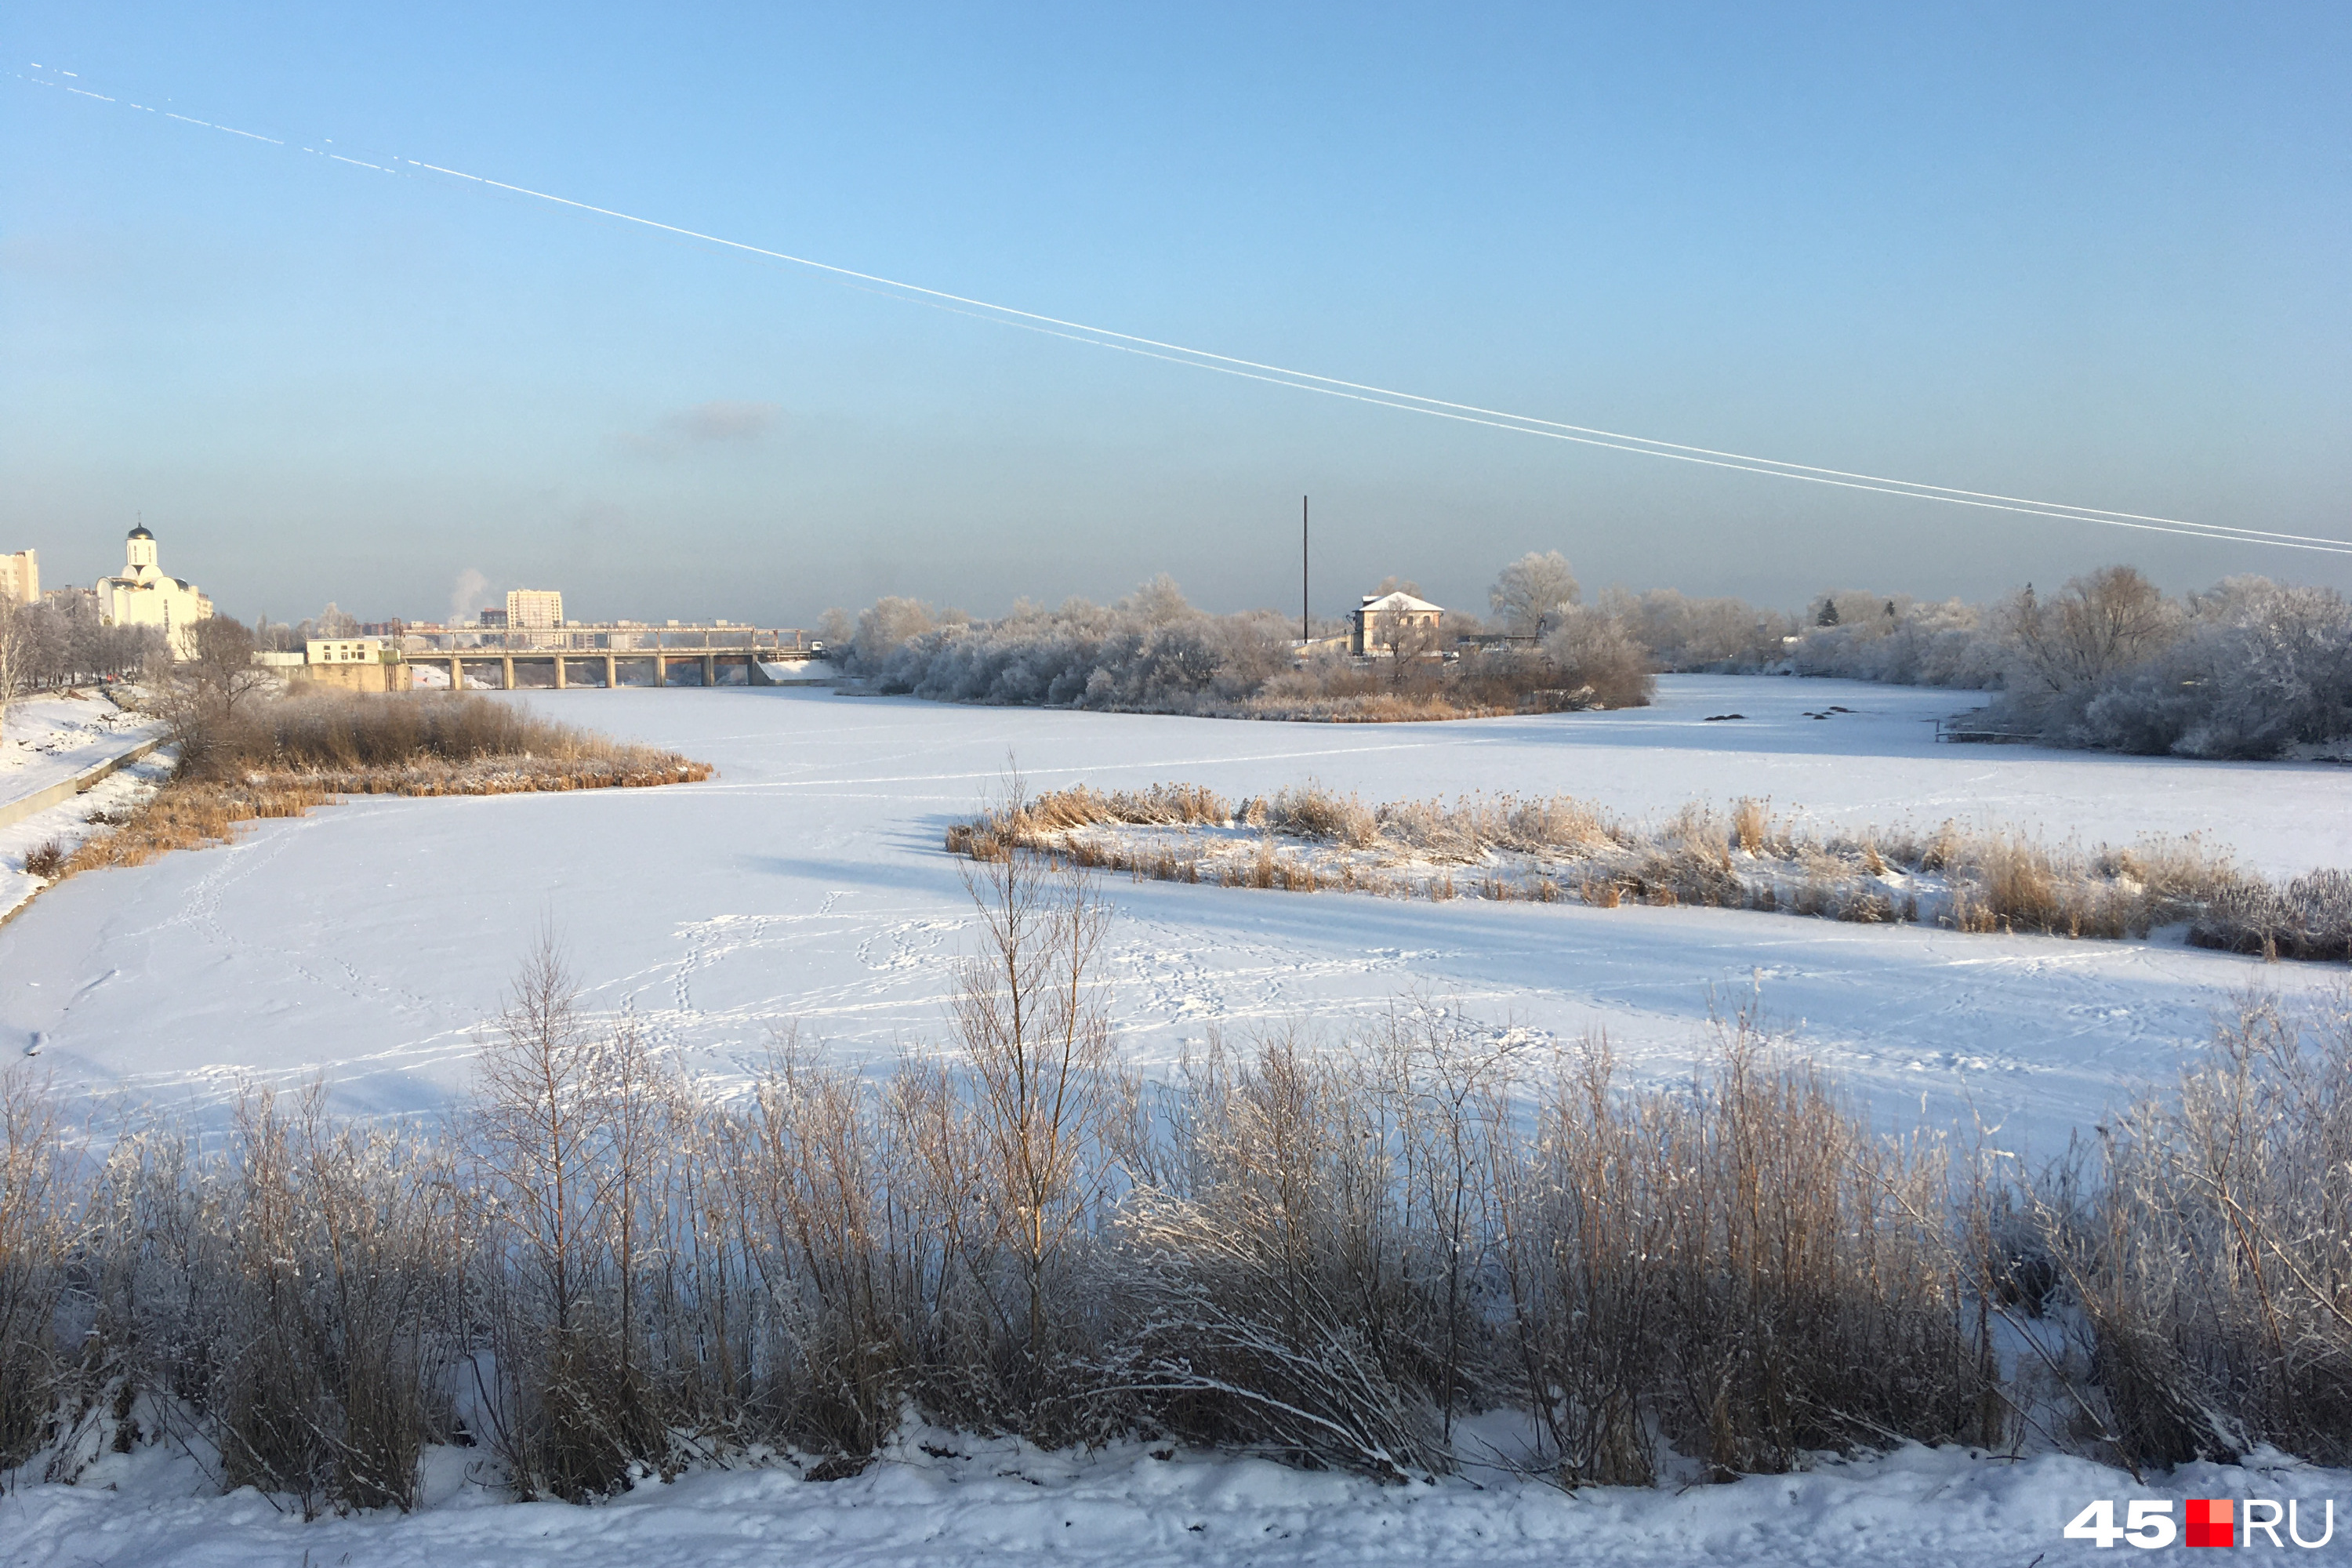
2247	668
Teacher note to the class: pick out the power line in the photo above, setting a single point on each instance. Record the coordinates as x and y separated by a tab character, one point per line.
1415	403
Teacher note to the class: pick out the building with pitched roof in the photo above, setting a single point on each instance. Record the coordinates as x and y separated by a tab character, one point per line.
143	596
1388	624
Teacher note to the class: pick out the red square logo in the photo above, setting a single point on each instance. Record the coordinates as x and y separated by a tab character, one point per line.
2209	1521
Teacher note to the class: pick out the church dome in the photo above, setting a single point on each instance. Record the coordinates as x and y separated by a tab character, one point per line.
140	533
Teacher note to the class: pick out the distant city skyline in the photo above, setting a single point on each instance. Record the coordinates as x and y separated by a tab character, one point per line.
2093	256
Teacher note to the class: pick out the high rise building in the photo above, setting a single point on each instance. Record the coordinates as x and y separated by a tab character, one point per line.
20	578
534	609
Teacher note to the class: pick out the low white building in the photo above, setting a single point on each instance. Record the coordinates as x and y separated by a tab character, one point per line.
346	650
143	596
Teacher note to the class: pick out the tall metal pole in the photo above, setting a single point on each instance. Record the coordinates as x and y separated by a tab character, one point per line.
1302	573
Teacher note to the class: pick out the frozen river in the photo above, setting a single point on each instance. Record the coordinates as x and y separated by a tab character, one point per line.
807	883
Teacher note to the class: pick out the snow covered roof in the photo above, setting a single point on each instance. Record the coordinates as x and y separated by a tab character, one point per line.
1399	600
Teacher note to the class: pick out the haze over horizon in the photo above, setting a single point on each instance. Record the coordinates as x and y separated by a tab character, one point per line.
2095	256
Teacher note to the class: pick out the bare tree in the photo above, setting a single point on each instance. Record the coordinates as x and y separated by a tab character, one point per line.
1410	641
1533	588
2100	624
15	654
221	667
561	1134
1036	1038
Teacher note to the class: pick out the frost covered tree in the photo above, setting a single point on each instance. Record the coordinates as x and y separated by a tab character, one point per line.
15	654
1158	602
1598	657
2098	625
886	625
1531	588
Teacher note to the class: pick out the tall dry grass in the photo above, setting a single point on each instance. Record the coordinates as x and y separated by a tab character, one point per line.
1312	838
268	758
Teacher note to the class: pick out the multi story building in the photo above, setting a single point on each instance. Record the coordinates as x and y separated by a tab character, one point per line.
534	609
143	596
1391	624
20	578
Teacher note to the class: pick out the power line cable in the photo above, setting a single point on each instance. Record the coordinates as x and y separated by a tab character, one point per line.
1390	397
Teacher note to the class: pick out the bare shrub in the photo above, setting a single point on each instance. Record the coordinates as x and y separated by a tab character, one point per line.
2208	1257
340	1260
46	861
35	1235
1599	661
557	1139
1327	1252
1036	1038
1739	1264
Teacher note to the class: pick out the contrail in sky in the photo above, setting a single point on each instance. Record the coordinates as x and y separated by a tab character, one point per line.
1354	392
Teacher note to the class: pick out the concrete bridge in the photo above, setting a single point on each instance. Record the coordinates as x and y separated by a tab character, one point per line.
609	656
521	669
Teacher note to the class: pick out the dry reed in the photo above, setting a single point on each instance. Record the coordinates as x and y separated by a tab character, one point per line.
1965	879
283	758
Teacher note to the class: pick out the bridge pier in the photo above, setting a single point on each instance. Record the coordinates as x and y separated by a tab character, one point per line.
506	672
709	670
612	673
559	672
456	673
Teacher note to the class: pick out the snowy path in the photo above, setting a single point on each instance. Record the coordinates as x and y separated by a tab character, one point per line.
806	882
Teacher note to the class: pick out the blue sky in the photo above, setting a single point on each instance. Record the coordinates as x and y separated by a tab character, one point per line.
2089	253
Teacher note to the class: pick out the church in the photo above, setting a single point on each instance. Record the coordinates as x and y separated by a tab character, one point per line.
143	596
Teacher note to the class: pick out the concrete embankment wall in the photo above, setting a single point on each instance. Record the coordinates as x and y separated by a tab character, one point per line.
64	790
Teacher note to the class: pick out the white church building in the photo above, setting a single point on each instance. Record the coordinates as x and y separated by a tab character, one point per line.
143	596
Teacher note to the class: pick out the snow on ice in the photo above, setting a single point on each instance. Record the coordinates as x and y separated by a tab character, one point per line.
370	940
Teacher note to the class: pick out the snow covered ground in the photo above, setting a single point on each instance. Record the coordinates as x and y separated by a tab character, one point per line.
938	1498
49	739
370	940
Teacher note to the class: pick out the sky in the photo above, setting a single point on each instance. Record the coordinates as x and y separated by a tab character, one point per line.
2093	253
